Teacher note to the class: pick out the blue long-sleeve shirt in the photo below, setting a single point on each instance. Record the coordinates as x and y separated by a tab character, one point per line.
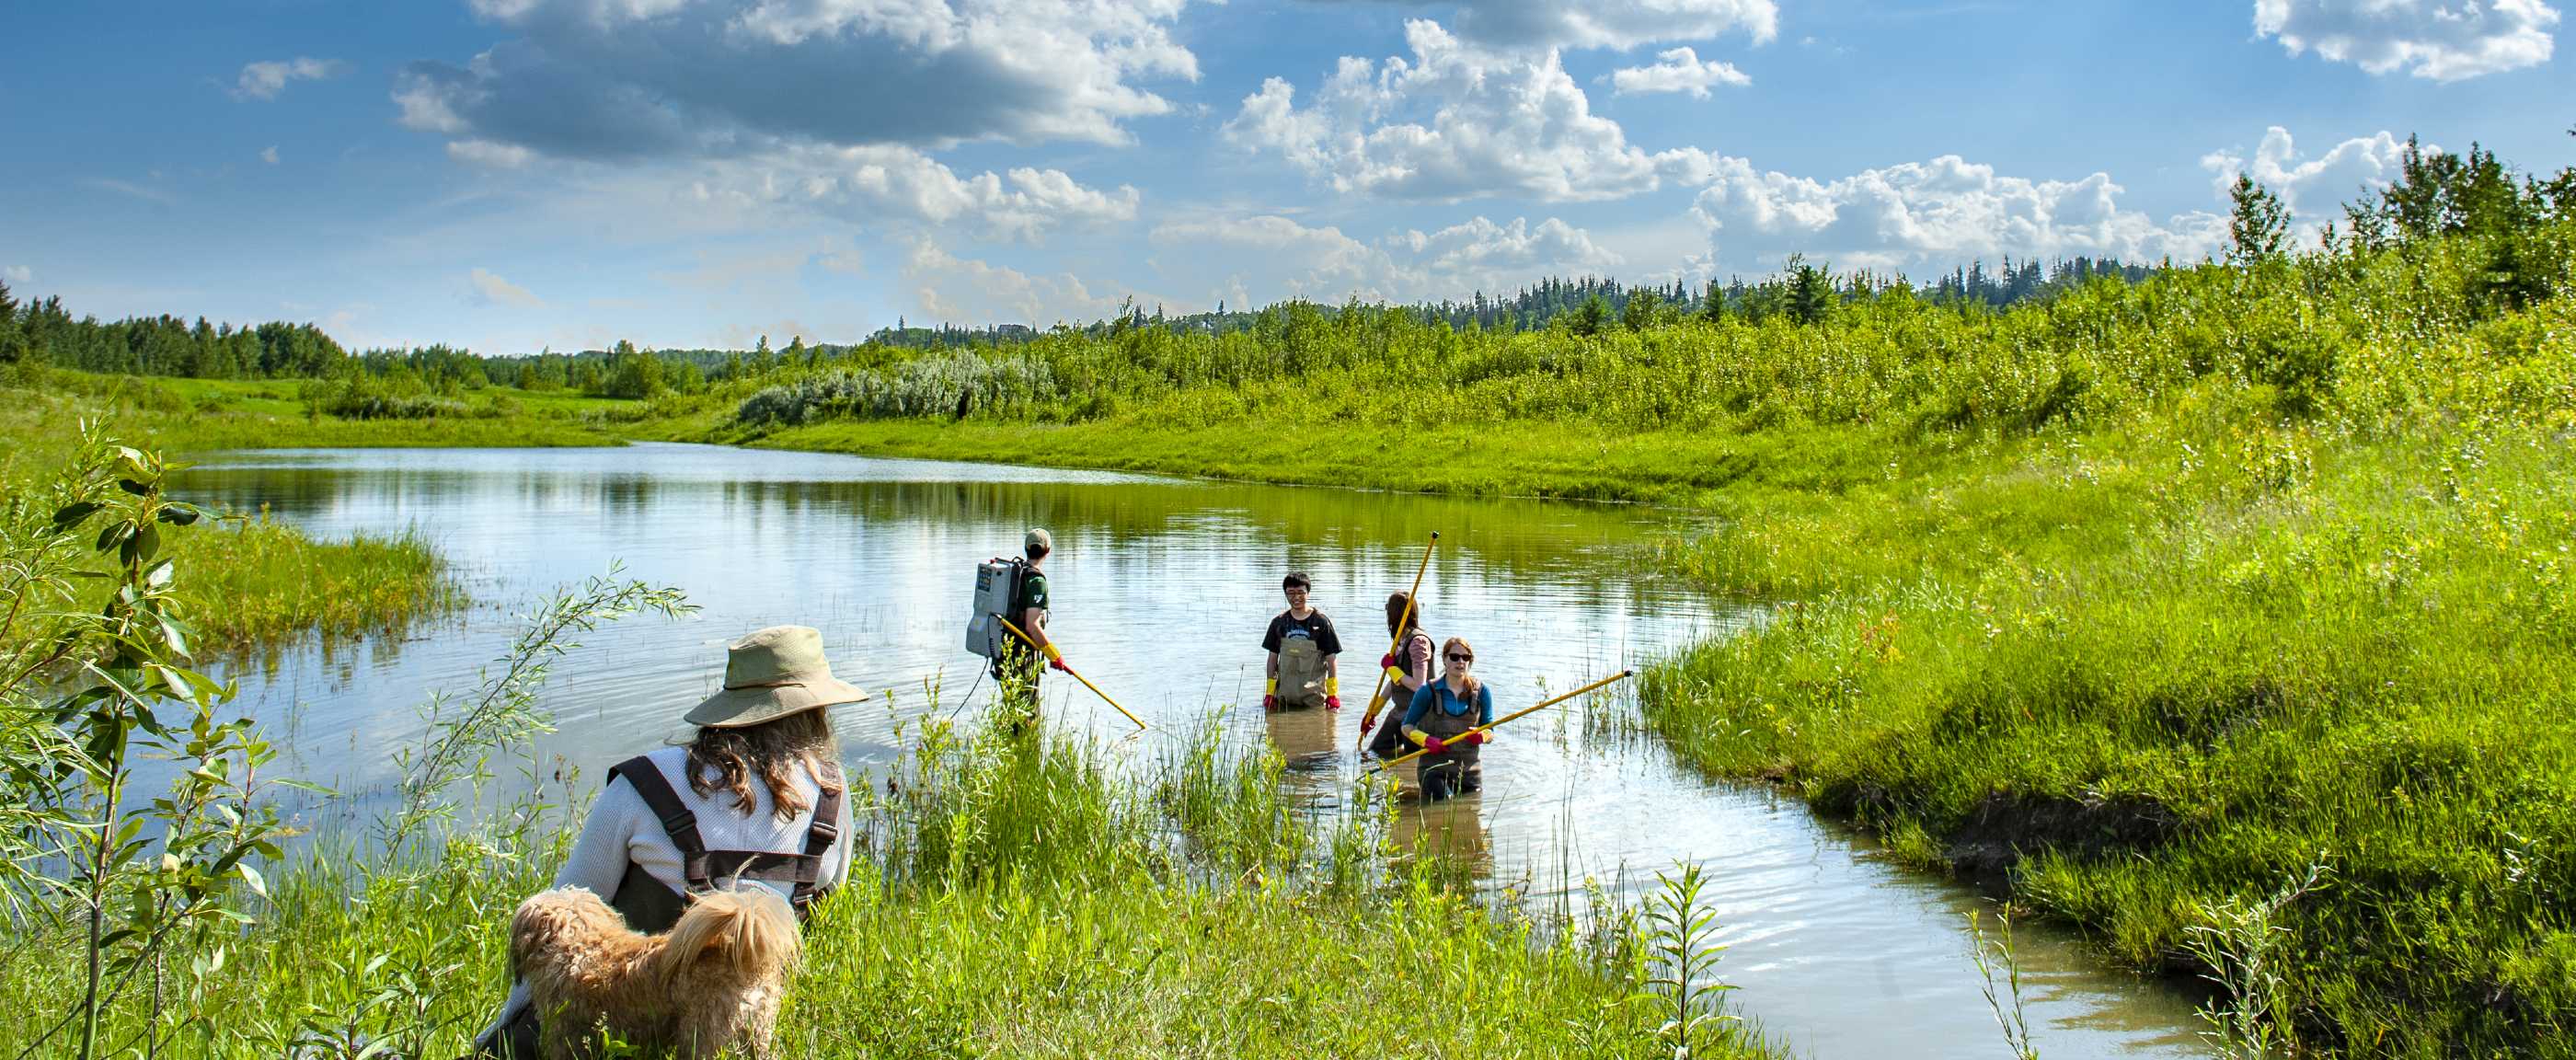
1436	696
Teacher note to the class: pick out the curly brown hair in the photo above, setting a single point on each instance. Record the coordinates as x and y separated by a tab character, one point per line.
725	759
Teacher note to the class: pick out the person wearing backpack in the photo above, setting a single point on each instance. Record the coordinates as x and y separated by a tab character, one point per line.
1302	646
1016	665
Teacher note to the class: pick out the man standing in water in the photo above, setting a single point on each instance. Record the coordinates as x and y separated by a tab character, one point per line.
1017	667
1302	647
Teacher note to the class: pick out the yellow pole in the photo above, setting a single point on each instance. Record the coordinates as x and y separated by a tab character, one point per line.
1086	682
1411	598
1402	759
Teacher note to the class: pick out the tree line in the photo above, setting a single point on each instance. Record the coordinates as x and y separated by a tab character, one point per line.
44	332
2472	196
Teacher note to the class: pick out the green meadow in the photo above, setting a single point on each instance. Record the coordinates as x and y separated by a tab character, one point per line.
2224	616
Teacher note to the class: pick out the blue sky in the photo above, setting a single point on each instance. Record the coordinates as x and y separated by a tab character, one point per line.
515	174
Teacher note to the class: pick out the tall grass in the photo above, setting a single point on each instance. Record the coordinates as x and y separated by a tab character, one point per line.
1017	899
2343	325
2143	672
253	584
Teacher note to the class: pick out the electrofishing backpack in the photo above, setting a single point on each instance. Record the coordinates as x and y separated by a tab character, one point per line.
997	587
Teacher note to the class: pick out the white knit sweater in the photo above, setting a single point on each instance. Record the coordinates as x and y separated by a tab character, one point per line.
622	829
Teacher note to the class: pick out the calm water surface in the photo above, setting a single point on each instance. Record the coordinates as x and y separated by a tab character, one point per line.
1163	588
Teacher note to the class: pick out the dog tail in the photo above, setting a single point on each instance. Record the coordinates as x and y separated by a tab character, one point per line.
748	930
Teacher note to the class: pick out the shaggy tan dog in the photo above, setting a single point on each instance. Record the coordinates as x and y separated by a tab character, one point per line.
714	981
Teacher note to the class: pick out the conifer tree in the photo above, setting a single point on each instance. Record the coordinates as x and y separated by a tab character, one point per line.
2259	225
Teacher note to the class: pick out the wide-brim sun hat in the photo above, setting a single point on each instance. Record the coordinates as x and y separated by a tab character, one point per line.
771	674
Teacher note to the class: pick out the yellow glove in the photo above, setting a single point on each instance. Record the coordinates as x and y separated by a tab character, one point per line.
1395	677
1332	685
1052	654
1418	736
1270	695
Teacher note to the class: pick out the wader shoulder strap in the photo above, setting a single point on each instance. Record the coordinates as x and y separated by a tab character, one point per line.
678	821
819	837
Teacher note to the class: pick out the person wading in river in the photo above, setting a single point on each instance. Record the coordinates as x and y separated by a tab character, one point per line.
1409	667
1303	648
1016	666
755	798
1441	714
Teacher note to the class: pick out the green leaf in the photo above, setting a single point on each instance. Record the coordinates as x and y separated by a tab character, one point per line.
113	534
180	514
258	883
130	486
158	574
147	543
72	514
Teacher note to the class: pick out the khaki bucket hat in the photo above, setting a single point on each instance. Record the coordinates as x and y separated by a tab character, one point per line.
771	674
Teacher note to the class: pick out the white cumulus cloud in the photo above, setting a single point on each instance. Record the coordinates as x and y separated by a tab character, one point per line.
1249	260
1939	213
1677	70
264	80
969	291
1454	121
625	79
2314	186
18	274
1614	24
890	182
2443	40
493	290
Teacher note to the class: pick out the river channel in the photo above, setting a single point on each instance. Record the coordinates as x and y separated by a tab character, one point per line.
1162	589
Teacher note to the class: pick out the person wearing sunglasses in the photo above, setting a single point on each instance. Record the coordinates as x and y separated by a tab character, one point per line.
1439	719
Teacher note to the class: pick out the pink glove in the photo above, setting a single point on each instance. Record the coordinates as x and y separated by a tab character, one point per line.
1434	745
1475	737
1386	661
1269	702
1332	702
1057	663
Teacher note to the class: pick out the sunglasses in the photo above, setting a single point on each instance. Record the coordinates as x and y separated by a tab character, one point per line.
1455	657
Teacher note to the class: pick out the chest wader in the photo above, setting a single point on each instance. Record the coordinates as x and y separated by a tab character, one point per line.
1301	673
1016	666
651	906
1389	740
1454	771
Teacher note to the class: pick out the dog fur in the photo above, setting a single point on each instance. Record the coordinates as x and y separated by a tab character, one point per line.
714	981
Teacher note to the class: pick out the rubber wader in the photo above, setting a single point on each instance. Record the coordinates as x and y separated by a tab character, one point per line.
651	906
1301	674
1388	742
1454	770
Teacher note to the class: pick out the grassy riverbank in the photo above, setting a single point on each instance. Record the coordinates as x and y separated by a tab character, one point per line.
1013	901
196	415
255	584
2138	602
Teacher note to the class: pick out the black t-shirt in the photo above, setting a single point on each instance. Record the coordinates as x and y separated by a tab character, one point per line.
1314	626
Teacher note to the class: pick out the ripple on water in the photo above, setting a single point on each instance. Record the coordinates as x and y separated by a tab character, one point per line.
1164	587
